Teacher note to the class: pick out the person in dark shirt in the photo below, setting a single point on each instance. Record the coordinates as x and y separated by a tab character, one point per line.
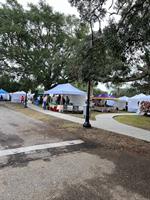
1	98
63	101
58	101
67	100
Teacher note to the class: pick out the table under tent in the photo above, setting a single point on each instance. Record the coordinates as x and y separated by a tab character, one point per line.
4	95
76	98
104	103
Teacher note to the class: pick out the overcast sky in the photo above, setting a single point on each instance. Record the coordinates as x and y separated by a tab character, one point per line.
58	5
62	6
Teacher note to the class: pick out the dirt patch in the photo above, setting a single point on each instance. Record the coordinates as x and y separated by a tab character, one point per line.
22	159
132	172
28	112
17	160
93	189
13	124
10	141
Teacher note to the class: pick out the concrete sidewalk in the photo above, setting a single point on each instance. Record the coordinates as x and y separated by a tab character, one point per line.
107	122
103	121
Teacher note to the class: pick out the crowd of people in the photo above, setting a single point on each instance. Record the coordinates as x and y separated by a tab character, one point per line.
45	100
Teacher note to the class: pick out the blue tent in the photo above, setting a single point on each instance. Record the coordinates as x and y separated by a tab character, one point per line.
3	91
65	89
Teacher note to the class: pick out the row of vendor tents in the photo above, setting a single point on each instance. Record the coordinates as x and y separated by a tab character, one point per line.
78	97
14	97
132	103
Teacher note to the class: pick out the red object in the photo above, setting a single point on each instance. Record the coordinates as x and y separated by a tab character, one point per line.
145	107
53	109
22	99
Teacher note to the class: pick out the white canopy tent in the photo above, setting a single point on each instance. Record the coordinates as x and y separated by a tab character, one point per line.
76	96
4	95
133	102
16	96
124	98
121	103
146	98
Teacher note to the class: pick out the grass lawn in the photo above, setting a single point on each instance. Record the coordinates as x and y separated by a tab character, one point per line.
137	121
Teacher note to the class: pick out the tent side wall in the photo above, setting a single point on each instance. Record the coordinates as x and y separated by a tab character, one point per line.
121	105
110	102
133	105
16	97
133	102
5	96
77	100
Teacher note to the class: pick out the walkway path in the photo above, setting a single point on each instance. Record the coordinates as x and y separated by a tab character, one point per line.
107	122
103	121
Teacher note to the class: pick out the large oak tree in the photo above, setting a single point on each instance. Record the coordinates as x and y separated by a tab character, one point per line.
121	51
37	45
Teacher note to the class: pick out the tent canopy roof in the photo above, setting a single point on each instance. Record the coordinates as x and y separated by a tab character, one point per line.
146	98
3	91
19	92
65	89
105	96
139	96
124	98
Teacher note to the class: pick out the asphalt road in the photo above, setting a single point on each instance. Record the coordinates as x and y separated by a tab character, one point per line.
77	172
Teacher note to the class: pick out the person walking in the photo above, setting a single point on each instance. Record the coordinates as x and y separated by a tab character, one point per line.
22	99
44	102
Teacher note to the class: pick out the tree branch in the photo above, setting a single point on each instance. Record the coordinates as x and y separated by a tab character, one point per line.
111	5
132	78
